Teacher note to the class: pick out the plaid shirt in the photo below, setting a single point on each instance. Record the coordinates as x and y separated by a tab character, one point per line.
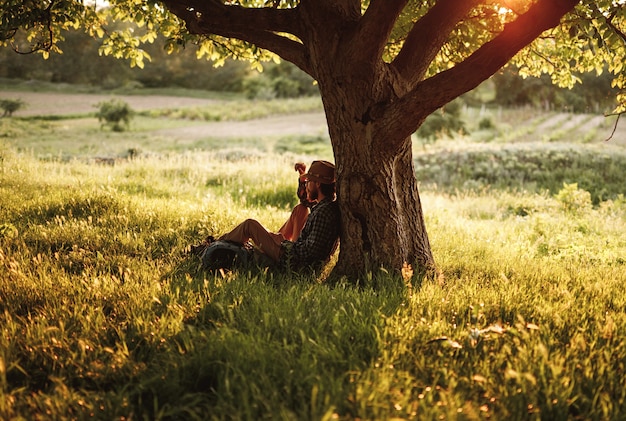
318	240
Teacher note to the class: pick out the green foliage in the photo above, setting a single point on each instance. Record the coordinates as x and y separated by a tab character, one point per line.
9	106
162	70
115	113
594	94
105	317
574	199
258	87
534	167
285	87
591	38
447	121
486	124
282	80
80	63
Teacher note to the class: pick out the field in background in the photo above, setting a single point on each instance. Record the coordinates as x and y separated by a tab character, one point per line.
104	316
176	123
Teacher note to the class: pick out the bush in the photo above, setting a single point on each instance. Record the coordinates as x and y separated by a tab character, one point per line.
286	88
573	199
258	87
446	121
115	113
486	124
9	106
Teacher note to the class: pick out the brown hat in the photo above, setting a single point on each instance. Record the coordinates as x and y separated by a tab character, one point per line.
321	172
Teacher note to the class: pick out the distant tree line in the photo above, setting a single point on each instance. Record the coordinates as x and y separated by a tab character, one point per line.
80	63
594	95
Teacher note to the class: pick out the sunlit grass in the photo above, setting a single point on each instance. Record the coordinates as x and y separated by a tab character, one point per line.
104	315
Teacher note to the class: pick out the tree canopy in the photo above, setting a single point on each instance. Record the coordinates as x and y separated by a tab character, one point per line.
591	38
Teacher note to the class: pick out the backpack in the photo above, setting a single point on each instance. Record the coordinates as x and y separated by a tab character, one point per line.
225	255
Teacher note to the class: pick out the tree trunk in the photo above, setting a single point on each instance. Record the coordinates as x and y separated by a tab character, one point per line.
382	220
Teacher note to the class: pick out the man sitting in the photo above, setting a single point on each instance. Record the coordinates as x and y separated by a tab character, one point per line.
319	237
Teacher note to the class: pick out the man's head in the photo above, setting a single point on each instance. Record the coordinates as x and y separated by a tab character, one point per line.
321	172
320	180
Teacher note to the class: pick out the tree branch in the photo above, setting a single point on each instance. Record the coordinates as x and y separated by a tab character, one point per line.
377	24
442	88
427	37
215	13
284	47
614	127
258	26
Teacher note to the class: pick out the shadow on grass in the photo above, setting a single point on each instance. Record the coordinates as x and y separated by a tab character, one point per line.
263	343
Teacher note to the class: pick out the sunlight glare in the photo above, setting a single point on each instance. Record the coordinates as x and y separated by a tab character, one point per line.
514	6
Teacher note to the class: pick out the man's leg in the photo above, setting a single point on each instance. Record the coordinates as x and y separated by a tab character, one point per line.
250	229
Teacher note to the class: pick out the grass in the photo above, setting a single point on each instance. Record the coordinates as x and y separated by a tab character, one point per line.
66	88
241	110
104	316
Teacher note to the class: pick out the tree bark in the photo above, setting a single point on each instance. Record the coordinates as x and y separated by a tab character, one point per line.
382	218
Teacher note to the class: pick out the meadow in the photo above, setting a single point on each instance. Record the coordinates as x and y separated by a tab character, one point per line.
105	316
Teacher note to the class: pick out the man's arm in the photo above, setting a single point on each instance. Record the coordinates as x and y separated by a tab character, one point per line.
320	237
